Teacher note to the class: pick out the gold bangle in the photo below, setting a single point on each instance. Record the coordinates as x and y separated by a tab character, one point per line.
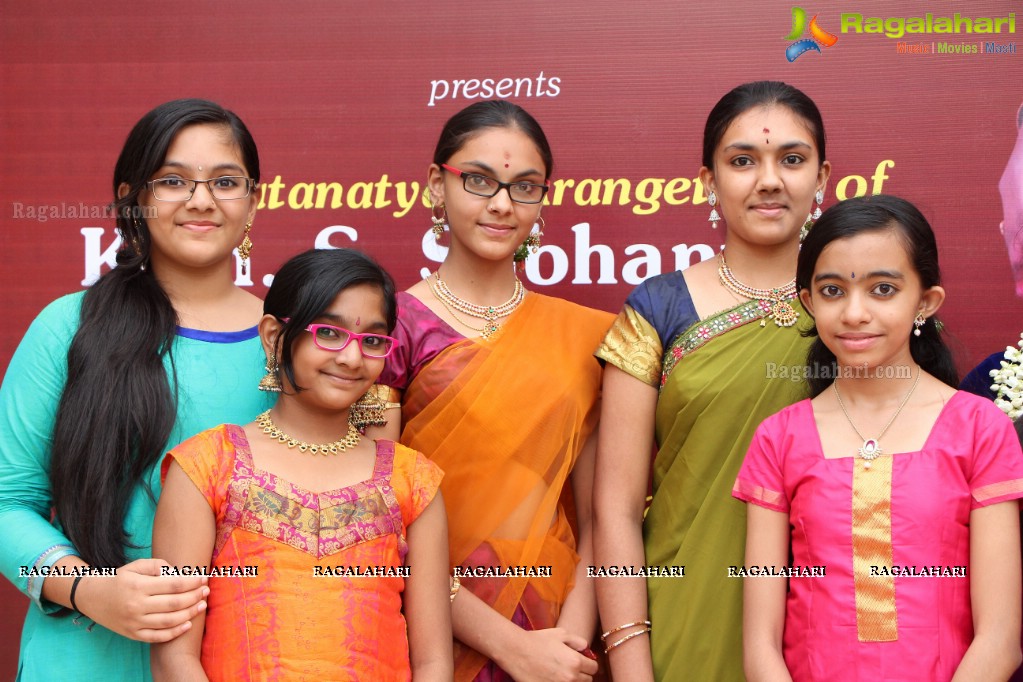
456	585
625	639
603	637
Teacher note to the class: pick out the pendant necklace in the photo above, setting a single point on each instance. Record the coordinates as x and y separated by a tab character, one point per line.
777	301
350	440
489	314
871	448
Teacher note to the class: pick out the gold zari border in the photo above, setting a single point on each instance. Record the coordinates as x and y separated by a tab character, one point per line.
876	619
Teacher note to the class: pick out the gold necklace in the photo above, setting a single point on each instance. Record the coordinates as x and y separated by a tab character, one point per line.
350	440
871	448
489	314
776	300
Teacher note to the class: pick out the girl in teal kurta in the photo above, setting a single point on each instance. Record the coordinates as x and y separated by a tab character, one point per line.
105	381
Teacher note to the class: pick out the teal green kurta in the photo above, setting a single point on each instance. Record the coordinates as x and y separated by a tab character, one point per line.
217	377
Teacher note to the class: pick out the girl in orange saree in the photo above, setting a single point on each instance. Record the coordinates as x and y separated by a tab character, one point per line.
502	393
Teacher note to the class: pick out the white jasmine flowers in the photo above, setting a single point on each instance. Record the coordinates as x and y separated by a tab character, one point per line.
1008	380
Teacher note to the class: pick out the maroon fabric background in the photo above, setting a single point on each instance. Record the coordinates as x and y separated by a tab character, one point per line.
348	93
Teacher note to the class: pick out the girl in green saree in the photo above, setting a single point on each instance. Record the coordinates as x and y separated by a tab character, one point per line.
695	362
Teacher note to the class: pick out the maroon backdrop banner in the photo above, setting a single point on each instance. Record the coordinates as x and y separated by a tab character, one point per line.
346	100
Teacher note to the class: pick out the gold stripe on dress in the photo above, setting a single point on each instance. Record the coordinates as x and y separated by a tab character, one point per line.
872	546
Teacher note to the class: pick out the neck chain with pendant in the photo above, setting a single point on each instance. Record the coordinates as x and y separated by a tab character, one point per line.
489	314
871	448
778	300
350	440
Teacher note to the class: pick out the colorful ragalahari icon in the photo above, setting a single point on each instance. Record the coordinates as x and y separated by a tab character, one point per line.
819	37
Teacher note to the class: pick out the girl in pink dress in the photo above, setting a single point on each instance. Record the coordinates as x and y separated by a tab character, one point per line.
896	493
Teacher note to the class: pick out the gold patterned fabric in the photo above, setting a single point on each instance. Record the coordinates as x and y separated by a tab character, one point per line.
872	546
632	346
385	394
318	525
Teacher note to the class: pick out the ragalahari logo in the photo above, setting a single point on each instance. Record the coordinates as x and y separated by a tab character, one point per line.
820	37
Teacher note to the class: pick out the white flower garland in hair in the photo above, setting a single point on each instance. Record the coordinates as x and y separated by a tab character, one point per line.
1008	386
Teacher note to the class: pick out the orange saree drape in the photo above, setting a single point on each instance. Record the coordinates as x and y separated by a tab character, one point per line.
506	418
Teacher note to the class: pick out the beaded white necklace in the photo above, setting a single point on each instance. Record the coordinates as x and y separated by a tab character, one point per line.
489	314
781	310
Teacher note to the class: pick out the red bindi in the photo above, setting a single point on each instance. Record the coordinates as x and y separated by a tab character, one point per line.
358	321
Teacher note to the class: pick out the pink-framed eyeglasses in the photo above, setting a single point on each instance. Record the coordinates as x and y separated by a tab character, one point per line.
333	338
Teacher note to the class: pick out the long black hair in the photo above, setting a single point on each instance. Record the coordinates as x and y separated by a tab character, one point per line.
307	284
742	98
868	214
118	406
498	113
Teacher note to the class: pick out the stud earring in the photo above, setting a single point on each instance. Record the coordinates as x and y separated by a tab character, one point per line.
245	248
918	322
271	383
712	199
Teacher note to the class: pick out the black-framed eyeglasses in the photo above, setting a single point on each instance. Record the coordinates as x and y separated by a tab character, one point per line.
486	186
224	188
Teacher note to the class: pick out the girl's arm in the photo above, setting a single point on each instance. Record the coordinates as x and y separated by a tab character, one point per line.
763	603
134	603
579	612
619	497
427	604
137	603
183	534
994	594
550	655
